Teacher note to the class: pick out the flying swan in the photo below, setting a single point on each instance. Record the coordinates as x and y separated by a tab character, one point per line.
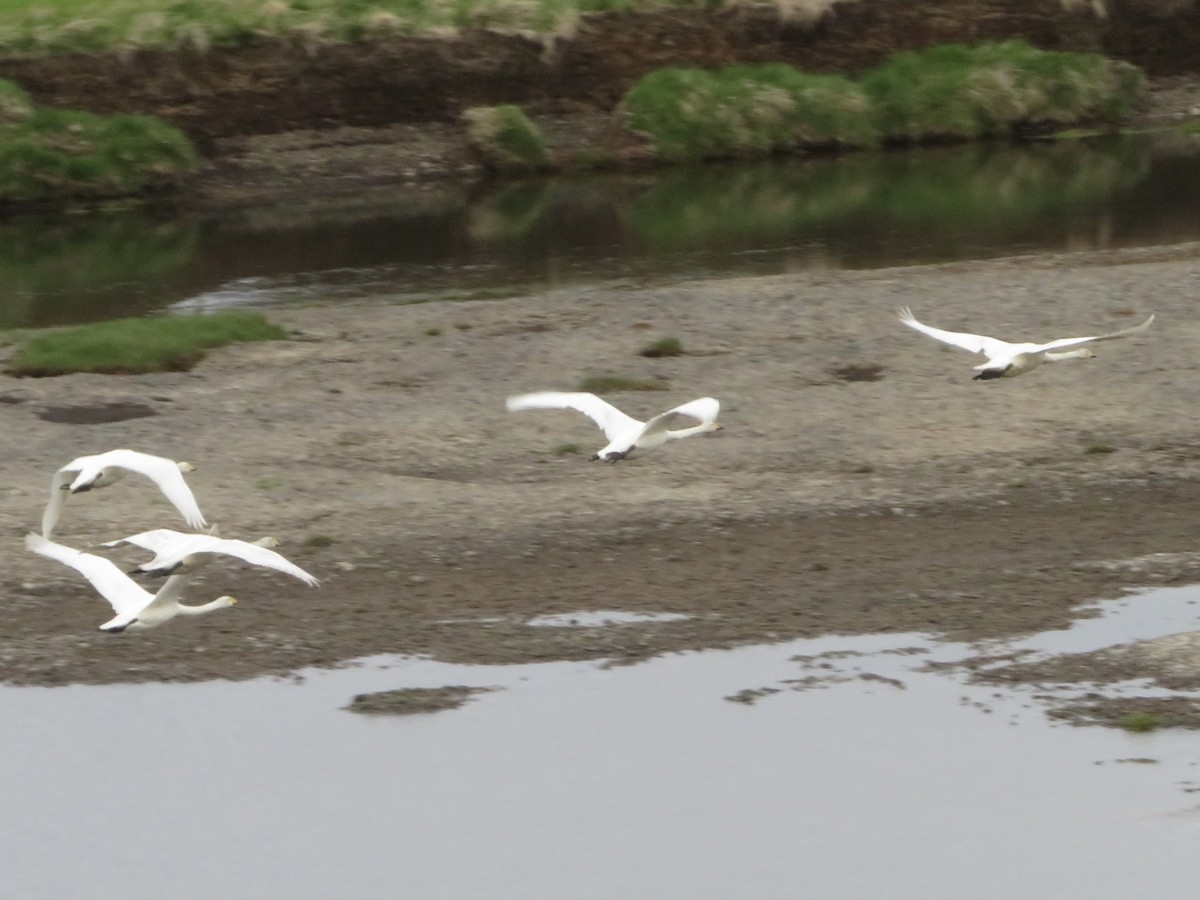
625	433
103	469
1005	360
135	608
177	553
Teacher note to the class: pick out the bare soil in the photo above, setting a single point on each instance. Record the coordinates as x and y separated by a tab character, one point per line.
376	446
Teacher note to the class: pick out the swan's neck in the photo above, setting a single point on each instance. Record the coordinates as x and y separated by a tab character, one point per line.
201	608
1058	355
688	432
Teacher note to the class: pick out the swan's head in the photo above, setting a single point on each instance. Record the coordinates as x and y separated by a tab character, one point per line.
267	542
224	601
714	426
186	467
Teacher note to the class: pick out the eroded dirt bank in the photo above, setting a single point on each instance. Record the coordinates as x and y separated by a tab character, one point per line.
277	87
376	447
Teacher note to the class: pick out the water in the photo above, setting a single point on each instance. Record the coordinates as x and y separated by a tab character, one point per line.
632	783
859	210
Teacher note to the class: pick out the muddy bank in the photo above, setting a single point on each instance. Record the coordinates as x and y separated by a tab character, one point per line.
375	445
275	86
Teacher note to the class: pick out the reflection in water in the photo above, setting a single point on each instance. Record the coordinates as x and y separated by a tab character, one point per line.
857	210
639	782
77	268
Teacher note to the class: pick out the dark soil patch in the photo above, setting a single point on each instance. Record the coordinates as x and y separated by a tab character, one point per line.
413	700
95	415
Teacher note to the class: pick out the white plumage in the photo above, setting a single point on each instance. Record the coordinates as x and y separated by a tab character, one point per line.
1005	360
103	469
135	607
177	553
625	433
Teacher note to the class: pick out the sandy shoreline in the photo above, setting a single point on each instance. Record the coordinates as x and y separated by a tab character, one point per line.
376	447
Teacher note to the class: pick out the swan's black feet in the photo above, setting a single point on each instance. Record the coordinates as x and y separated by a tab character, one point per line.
613	457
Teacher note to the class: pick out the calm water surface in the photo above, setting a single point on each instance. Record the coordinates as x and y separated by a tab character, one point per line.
634	783
860	210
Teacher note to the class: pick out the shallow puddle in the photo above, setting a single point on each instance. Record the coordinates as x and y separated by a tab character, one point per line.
854	773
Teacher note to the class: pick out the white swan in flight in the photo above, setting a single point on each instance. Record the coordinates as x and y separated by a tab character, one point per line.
1005	360
135	608
177	553
625	433
103	469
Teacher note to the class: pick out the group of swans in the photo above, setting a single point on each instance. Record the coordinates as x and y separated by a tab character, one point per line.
176	554
626	434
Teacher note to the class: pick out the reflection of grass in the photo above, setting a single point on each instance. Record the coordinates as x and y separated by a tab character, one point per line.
48	260
510	212
933	189
130	346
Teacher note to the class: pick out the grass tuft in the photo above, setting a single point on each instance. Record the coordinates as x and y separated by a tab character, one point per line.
566	449
134	346
50	155
1098	449
505	138
693	114
1139	722
997	88
668	346
612	384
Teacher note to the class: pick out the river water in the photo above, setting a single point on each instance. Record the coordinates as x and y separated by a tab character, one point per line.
857	211
858	773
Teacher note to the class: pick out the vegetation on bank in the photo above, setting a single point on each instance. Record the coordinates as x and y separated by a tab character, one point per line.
940	93
36	27
52	155
505	139
135	346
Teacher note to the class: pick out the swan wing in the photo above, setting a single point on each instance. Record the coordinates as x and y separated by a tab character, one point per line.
54	506
1063	343
975	343
165	473
121	591
706	409
611	420
251	553
156	541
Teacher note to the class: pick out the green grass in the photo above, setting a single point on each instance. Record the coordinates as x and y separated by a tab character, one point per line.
1099	449
318	541
667	346
505	138
52	155
59	26
997	88
1139	722
612	384
693	114
948	92
566	449
133	346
